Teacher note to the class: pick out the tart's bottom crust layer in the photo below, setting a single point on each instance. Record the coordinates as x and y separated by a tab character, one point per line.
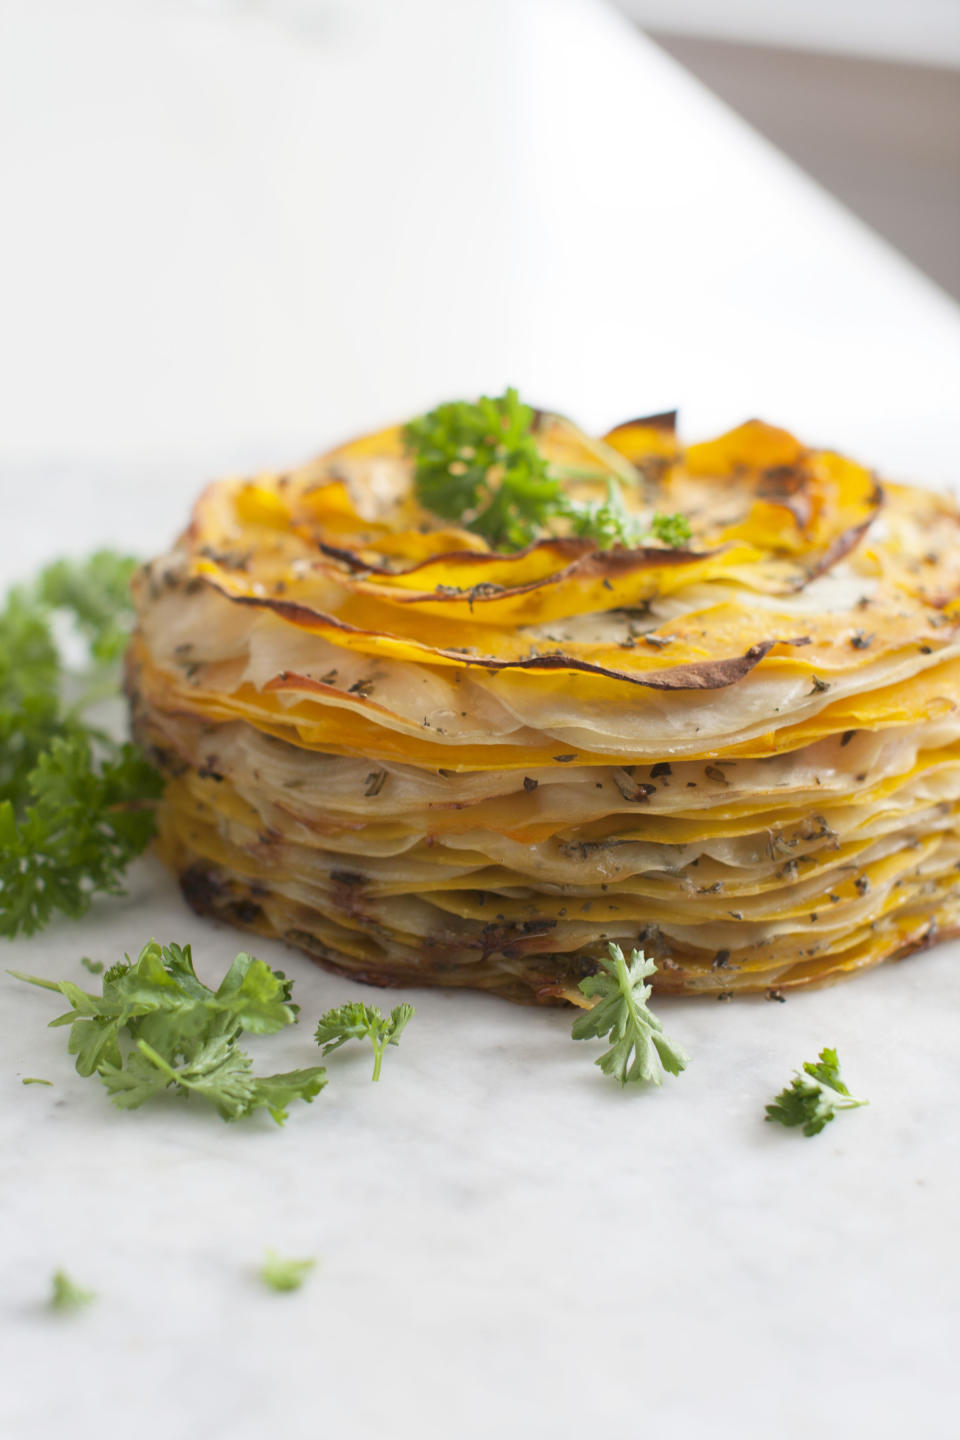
542	977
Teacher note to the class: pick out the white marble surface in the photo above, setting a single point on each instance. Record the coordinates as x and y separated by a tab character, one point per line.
507	1244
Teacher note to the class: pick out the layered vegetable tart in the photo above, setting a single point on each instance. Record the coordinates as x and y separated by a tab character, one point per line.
463	701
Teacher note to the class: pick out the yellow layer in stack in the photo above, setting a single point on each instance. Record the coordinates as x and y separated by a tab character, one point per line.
423	762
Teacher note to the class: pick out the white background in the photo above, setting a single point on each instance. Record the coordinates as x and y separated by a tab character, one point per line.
232	233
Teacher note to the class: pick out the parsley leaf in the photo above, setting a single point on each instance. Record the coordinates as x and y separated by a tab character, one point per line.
75	806
356	1021
157	1025
479	463
814	1096
85	824
640	1050
609	522
460	449
29	703
97	593
66	1294
673	530
284	1275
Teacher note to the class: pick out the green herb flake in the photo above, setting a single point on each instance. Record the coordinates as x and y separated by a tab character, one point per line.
66	1295
640	1051
814	1096
34	1080
94	966
356	1021
284	1275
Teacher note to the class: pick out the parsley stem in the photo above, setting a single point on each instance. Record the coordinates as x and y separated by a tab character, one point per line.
378	1050
626	987
161	1064
35	980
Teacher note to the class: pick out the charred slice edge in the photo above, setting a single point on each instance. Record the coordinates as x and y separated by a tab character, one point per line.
424	762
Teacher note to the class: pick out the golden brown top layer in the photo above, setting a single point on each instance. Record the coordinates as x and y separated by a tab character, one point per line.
326	605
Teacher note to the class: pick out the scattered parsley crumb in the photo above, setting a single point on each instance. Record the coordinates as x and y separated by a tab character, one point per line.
67	1295
94	966
34	1080
281	1274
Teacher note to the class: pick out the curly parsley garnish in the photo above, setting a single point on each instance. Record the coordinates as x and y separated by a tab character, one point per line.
479	463
356	1021
814	1096
157	1026
75	805
640	1051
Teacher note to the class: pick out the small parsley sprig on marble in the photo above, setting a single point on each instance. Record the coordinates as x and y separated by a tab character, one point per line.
157	1026
814	1096
75	805
478	462
640	1051
356	1021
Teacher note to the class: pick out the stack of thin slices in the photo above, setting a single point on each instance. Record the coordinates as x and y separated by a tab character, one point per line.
425	758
